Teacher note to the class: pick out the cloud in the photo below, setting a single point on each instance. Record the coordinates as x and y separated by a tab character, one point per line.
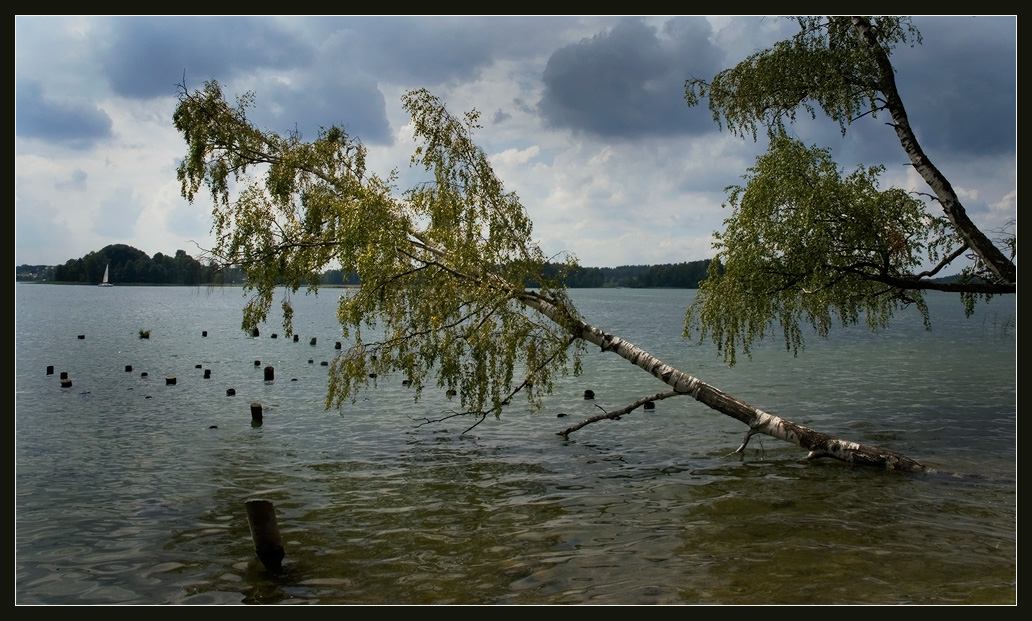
628	82
73	123
423	52
145	57
308	103
76	182
584	117
958	100
117	215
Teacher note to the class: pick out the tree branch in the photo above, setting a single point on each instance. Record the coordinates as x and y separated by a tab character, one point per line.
616	414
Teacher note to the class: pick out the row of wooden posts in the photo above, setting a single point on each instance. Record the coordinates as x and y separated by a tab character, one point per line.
261	514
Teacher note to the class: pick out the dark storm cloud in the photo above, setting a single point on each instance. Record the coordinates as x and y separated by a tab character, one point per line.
147	56
73	123
960	84
348	99
428	51
421	51
959	91
629	81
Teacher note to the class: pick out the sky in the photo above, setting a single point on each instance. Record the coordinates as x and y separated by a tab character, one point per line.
583	117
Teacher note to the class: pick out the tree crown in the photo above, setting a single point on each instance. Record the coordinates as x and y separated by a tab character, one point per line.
805	244
442	265
825	66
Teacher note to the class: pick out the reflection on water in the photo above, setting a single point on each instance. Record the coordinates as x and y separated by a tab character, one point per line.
132	491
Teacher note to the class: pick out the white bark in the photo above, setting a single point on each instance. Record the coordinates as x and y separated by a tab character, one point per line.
818	444
993	257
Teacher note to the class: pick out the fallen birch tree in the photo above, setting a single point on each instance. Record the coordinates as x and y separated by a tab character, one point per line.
443	266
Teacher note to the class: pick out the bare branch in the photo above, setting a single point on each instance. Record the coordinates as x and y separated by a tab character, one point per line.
618	413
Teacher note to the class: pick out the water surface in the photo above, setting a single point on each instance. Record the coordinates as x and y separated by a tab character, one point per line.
131	491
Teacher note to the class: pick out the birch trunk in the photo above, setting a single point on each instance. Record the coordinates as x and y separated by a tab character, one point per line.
993	257
818	444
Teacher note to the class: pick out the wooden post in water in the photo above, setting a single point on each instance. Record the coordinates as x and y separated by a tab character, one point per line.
256	413
265	533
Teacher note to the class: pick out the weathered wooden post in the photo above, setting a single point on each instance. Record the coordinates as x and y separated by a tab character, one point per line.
265	533
313	341
50	369
170	380
256	414
270	373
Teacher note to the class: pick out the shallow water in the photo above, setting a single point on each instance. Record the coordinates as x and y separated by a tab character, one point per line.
132	491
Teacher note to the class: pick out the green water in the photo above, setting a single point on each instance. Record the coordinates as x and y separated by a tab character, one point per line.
131	491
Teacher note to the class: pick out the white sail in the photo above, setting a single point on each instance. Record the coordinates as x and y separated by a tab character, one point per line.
105	283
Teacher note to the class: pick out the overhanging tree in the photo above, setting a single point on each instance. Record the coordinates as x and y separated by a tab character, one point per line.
442	265
805	244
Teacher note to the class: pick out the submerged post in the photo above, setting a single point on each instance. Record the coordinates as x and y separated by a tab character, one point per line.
256	413
265	533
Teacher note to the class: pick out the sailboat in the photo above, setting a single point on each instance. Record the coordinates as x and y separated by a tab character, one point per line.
105	283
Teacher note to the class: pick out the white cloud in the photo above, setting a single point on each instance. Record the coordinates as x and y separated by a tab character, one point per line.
613	195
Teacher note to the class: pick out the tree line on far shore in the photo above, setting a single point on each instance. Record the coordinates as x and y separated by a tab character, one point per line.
128	265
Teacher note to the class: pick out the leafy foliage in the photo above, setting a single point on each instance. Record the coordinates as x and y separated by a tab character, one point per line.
825	66
441	266
805	244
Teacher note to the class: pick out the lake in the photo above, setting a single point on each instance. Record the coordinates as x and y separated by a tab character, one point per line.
131	490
